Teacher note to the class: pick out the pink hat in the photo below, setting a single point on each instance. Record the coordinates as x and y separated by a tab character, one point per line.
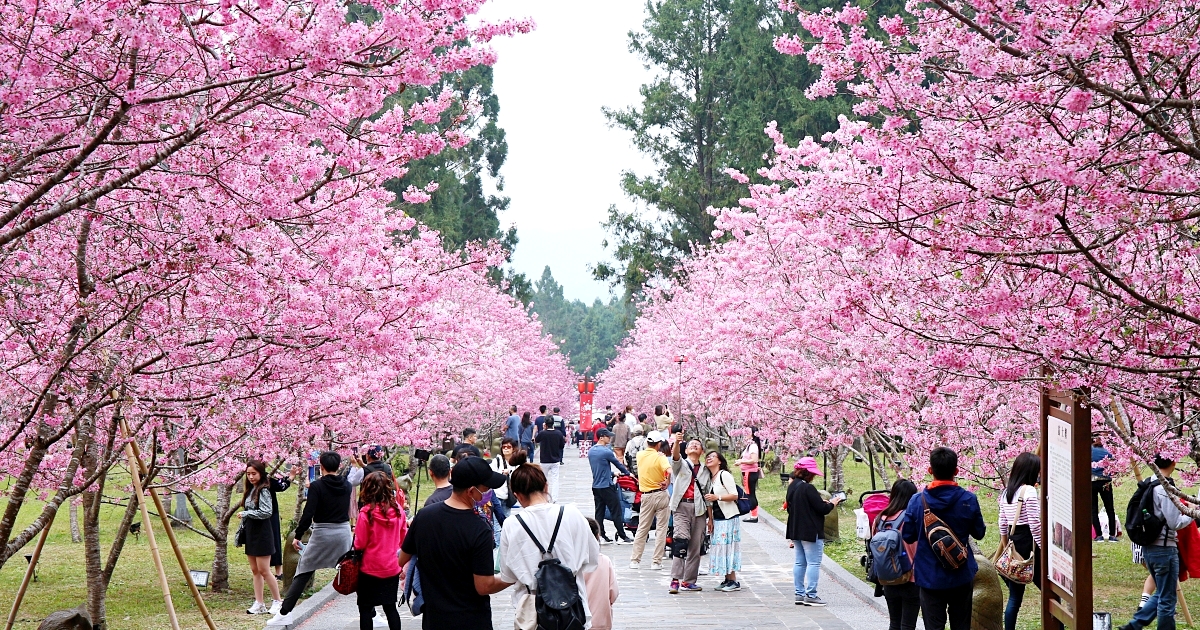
809	464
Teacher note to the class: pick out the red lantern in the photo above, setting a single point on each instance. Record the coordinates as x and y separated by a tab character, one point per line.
591	387
581	387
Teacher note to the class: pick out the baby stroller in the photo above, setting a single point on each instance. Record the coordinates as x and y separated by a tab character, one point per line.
873	503
631	501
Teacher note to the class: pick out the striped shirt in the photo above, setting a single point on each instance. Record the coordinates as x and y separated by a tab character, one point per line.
1031	514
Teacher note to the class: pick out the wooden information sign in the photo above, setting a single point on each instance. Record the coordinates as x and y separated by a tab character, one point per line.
1066	545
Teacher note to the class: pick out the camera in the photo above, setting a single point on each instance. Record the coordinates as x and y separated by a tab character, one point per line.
421	455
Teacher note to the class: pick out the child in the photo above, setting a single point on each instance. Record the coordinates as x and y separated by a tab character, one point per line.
601	587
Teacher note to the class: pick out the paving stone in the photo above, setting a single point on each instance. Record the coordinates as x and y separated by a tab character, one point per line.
765	602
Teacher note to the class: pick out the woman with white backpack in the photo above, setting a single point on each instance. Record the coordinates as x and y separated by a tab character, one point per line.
903	600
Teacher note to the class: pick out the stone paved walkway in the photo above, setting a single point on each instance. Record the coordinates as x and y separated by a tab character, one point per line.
765	601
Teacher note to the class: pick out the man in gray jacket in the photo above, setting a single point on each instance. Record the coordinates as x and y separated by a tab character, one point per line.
690	512
1162	558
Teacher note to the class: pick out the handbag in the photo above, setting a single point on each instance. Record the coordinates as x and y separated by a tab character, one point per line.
239	538
348	568
1008	560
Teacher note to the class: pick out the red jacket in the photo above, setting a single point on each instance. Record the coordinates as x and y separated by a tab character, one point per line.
1189	552
379	535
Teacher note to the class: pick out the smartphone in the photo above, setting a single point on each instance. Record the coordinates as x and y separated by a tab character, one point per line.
354	449
839	495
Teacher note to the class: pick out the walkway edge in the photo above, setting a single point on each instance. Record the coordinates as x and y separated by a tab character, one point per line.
310	606
857	587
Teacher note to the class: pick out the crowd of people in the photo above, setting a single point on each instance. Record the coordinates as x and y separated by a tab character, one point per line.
495	521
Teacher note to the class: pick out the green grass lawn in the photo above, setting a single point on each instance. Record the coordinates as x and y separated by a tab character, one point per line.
135	601
1118	582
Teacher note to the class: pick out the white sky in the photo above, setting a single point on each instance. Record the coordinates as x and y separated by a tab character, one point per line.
564	162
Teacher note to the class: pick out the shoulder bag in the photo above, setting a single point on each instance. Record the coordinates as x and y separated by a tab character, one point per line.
348	568
1008	560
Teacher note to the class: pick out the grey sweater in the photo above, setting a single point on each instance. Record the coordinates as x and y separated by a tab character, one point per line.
1164	507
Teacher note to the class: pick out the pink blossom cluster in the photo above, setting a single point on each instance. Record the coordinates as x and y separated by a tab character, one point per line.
1019	190
194	241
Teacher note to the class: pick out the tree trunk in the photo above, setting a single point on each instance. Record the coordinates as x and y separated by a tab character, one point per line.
76	535
837	471
220	532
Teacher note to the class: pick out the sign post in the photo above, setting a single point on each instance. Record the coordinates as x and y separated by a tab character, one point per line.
1066	545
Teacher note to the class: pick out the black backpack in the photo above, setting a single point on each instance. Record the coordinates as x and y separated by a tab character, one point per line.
1141	523
558	602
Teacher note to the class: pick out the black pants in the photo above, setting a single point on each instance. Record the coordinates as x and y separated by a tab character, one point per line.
903	602
1102	491
292	596
367	613
947	604
752	481
608	498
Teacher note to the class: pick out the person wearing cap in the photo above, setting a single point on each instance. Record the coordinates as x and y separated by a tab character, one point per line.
689	510
636	445
454	551
439	472
806	529
653	470
604	493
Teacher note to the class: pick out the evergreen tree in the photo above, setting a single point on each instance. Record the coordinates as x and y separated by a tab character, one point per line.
719	82
587	334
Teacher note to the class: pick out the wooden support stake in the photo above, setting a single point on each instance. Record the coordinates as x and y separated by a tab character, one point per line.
136	473
166	521
37	553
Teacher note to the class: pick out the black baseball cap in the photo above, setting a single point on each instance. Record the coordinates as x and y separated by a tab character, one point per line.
474	471
604	433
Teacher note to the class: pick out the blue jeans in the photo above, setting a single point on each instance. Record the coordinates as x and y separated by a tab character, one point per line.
1163	563
807	569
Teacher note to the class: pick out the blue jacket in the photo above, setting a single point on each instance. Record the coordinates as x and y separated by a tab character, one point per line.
600	457
1099	454
959	510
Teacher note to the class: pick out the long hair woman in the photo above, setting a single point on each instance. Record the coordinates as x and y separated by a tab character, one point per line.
1021	495
378	534
259	502
903	600
748	463
527	432
806	529
725	528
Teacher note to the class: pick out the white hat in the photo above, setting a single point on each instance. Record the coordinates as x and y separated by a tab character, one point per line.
638	430
655	436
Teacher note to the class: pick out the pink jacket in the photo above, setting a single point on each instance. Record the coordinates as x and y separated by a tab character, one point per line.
380	537
601	593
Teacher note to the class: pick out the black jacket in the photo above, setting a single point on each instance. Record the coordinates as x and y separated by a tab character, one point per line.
328	502
806	512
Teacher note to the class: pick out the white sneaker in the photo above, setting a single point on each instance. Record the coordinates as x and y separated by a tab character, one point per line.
376	622
635	565
656	566
257	608
276	604
282	620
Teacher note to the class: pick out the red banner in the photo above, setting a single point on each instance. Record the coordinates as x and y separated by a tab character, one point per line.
585	412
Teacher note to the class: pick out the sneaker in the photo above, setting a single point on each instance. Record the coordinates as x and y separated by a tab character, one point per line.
689	587
635	565
625	541
605	540
814	601
656	566
257	608
282	620
721	586
379	622
801	600
275	606
674	587
731	586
